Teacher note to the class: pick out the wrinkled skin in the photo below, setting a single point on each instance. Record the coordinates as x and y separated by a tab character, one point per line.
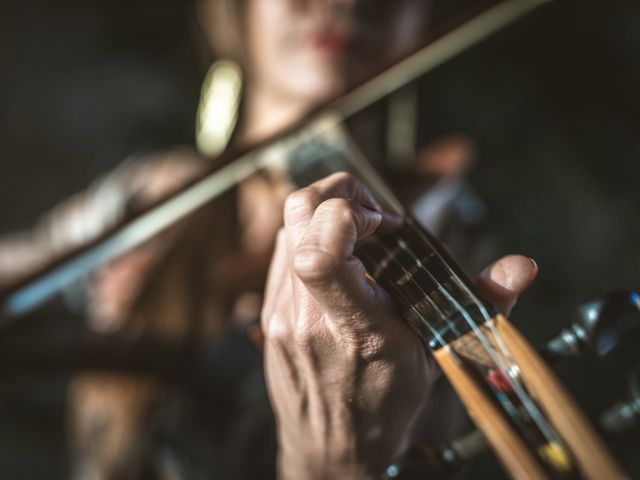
346	376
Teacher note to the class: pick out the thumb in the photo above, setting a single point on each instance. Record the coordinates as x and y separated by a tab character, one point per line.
505	279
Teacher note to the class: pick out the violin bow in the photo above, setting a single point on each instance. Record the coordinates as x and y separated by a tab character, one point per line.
36	288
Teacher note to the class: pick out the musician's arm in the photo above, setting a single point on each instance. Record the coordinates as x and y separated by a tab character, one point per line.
86	215
69	224
346	376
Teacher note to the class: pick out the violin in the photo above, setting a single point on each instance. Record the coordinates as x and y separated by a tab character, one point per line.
532	424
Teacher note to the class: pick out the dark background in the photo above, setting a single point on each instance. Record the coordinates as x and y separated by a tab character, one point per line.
553	103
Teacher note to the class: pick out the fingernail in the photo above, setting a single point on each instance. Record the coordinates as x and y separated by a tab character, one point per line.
514	272
376	217
389	221
535	264
393	217
372	220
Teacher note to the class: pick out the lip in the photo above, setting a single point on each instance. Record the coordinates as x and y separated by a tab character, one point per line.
330	42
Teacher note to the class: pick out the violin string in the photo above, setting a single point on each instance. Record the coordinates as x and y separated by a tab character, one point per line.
433	303
531	408
455	303
485	314
533	411
527	403
539	421
509	366
435	333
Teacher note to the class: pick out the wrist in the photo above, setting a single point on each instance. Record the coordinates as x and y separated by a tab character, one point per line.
333	458
304	467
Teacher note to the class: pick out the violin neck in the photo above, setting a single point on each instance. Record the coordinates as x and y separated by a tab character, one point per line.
534	427
435	296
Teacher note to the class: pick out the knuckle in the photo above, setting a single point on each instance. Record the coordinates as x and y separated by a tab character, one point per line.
337	210
313	265
340	213
336	205
300	203
277	330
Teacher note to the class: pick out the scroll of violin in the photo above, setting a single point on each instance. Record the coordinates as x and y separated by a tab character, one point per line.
532	424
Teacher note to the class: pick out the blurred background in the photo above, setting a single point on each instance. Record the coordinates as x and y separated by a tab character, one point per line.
552	104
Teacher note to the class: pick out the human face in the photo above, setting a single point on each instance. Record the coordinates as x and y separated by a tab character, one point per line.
312	50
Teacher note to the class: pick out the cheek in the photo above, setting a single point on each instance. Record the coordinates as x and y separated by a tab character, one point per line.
293	72
263	40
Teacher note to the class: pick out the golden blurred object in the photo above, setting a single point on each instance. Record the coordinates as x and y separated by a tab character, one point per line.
218	109
557	456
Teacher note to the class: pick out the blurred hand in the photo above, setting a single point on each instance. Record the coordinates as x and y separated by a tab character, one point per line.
346	375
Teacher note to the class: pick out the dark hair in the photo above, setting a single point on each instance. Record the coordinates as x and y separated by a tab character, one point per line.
219	29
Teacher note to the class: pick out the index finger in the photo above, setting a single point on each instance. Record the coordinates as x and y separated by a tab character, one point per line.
324	262
302	204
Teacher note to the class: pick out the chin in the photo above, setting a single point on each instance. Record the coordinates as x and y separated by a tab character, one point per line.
314	83
319	90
